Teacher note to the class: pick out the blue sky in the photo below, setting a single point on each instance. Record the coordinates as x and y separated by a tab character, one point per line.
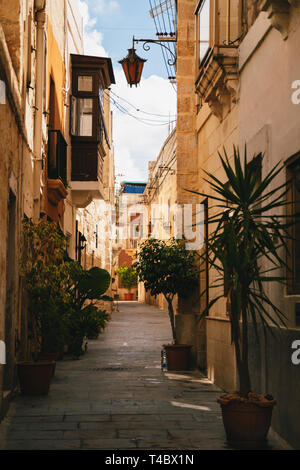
138	136
119	21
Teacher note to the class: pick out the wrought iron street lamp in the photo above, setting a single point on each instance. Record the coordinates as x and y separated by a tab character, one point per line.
133	64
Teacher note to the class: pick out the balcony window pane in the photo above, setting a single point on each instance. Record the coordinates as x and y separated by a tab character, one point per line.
101	96
293	211
85	83
296	201
82	117
204	29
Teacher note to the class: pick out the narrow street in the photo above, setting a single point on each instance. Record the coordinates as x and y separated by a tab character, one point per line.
117	397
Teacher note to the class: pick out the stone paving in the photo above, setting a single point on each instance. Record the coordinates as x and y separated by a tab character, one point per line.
117	397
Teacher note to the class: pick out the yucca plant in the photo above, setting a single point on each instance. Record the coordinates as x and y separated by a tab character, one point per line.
246	233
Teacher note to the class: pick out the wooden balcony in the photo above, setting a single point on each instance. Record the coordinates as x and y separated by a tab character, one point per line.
90	77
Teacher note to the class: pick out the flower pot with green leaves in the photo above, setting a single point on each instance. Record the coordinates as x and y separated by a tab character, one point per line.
166	267
246	249
128	278
85	318
44	274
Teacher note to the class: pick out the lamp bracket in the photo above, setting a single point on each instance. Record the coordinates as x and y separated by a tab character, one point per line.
159	42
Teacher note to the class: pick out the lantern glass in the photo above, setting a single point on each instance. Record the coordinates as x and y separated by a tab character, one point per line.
133	66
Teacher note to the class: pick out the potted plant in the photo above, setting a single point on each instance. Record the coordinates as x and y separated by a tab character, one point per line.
96	322
167	268
248	228
43	272
85	318
129	279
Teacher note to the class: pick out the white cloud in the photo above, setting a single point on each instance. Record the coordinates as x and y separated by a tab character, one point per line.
105	6
135	142
92	38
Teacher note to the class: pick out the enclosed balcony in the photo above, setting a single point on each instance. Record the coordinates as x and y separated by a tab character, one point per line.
90	139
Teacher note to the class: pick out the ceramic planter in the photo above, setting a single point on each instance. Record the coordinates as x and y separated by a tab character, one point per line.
128	296
178	356
246	424
35	377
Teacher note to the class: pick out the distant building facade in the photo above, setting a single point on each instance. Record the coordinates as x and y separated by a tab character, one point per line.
131	223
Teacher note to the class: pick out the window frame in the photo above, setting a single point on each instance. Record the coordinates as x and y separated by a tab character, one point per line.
95	126
98	125
85	73
293	287
199	7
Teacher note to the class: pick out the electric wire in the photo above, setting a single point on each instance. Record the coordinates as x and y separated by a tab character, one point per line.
126	110
140	110
167	57
165	51
146	121
159	31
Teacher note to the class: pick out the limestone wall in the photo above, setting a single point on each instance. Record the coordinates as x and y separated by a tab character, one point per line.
16	118
269	122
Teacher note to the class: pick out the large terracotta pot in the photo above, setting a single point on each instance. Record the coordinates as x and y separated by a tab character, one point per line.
49	356
178	356
247	424
129	296
35	377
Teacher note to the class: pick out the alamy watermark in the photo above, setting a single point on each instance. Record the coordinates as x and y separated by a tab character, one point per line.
296	353
137	222
296	94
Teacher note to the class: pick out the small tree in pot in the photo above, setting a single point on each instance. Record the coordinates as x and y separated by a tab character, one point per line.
44	276
167	268
246	232
128	277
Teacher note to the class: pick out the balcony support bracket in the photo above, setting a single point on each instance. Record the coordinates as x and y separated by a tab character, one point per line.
279	14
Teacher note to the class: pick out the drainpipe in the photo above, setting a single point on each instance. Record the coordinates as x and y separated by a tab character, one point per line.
40	6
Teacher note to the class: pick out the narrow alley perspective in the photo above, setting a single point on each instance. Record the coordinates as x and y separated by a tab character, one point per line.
150	226
117	397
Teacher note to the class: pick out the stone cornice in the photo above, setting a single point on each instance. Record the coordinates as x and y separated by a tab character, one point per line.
278	13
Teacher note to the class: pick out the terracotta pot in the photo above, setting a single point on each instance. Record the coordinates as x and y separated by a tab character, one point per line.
35	377
246	424
178	356
128	296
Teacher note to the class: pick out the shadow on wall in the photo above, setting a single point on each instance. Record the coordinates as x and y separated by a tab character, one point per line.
273	372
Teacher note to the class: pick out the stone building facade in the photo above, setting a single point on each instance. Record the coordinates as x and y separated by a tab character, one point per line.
160	196
238	82
19	155
45	80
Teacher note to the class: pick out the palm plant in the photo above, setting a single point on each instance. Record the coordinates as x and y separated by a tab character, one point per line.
246	233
